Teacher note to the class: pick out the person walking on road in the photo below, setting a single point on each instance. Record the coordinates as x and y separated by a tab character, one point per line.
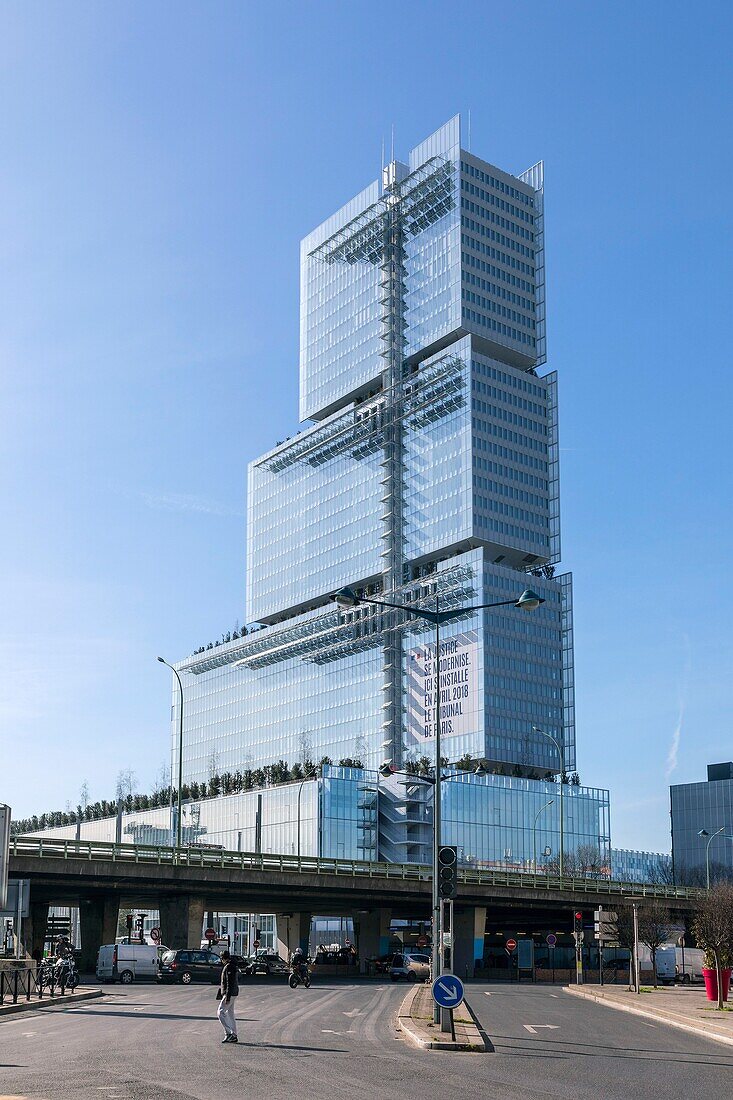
226	996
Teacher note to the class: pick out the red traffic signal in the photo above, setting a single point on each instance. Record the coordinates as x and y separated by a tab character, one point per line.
578	916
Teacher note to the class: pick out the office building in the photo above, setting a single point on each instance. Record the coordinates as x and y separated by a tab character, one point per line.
702	825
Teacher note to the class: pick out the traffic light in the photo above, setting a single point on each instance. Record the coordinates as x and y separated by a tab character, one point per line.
578	926
129	919
447	871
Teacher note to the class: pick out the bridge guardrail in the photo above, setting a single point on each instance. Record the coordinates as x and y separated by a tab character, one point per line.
56	847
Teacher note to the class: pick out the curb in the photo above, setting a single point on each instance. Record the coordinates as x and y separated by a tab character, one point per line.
661	1016
68	998
417	1032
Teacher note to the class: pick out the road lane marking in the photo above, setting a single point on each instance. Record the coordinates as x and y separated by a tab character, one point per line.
534	1028
554	995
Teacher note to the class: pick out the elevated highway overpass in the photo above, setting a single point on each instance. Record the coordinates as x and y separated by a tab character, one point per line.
183	885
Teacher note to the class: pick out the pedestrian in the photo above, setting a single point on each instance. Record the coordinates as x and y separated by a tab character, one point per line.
226	995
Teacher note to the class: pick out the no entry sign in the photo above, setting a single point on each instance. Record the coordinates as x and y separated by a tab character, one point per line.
511	945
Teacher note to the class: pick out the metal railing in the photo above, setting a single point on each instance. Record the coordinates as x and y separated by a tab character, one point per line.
19	984
58	848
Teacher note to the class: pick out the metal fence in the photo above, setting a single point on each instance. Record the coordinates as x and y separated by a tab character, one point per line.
57	848
19	985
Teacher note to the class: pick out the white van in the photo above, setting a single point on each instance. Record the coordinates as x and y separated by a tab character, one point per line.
127	962
676	965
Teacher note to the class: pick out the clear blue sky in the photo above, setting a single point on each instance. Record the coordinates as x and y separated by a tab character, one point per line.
160	163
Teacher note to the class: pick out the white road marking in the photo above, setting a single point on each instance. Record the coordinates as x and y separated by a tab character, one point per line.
649	1025
534	1028
554	995
354	1012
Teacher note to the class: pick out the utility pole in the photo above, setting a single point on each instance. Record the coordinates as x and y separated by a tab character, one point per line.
637	988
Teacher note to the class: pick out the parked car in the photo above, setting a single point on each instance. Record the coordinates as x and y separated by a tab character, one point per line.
127	962
190	966
263	962
413	967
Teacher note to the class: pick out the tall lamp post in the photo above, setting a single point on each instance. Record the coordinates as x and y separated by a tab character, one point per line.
180	758
534	831
711	837
347	599
561	761
310	775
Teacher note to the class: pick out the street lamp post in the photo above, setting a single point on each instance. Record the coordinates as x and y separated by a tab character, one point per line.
311	775
179	814
534	832
711	837
561	761
347	599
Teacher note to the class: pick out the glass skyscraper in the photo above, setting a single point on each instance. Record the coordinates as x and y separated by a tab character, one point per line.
428	471
702	827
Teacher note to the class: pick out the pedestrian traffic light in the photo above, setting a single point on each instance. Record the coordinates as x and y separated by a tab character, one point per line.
447	871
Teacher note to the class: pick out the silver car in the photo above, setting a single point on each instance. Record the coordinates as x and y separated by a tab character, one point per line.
412	967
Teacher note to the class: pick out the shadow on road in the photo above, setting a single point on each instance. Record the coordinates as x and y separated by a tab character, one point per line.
569	1049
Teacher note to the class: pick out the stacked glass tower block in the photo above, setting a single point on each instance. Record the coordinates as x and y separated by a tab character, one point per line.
428	471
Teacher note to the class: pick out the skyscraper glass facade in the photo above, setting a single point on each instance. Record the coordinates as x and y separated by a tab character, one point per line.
428	473
702	825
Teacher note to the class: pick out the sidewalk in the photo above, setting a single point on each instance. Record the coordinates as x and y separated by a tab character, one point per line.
81	993
680	1006
415	1019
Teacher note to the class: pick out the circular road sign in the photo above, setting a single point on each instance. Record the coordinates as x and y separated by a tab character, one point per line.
550	939
448	991
422	941
511	945
210	934
255	943
155	935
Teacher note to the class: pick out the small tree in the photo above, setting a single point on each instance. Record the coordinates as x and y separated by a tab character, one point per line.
655	928
625	929
712	927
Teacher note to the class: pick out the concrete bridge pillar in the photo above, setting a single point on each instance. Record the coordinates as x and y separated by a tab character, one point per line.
468	939
181	921
98	917
293	930
371	932
33	931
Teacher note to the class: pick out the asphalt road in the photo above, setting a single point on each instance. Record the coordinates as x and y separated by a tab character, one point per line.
337	1041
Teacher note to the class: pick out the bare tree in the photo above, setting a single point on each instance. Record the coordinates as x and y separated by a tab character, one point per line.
662	873
305	746
590	860
625	927
162	778
712	927
84	794
126	782
655	928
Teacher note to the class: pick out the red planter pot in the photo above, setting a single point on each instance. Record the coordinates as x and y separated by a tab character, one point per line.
711	982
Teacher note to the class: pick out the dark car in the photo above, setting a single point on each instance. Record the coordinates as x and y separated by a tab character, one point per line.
190	966
264	962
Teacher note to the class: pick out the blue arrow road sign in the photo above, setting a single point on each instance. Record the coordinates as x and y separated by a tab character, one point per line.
448	991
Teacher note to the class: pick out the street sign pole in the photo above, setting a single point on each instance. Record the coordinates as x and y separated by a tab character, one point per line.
600	945
448	993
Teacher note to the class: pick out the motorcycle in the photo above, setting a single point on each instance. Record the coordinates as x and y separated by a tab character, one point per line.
299	975
67	975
